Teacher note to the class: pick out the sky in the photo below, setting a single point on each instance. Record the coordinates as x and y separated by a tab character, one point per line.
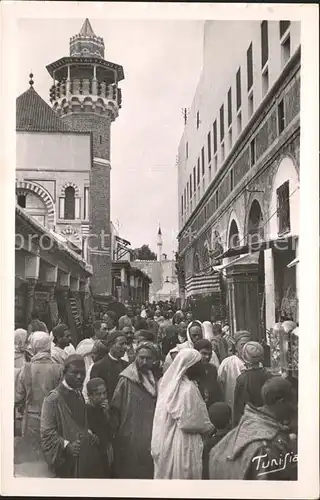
162	61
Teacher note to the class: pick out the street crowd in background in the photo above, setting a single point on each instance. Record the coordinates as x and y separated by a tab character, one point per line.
153	394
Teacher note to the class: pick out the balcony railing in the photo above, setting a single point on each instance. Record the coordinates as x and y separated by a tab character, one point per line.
85	87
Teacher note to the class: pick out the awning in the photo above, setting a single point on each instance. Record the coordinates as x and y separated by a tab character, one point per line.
245	258
203	284
294	262
278	243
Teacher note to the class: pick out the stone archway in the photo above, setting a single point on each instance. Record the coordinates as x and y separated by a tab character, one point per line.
23	187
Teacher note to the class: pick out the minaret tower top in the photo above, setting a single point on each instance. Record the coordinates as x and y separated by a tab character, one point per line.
159	244
84	82
86	43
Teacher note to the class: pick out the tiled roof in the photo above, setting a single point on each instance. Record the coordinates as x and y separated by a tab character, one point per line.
34	114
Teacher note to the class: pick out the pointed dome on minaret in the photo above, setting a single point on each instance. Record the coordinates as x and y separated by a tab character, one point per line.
86	29
159	244
86	43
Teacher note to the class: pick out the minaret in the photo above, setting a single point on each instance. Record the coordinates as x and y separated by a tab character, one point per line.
86	96
159	244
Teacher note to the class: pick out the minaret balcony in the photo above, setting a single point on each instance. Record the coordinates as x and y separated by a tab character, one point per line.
85	87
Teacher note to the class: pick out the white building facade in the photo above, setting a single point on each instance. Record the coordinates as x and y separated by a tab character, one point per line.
238	171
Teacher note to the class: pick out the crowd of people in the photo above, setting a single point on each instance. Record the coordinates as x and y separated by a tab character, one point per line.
154	394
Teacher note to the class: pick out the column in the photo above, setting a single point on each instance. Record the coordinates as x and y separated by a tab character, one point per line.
297	277
68	81
85	247
53	307
145	291
77	208
64	280
74	284
61	208
94	81
136	288
123	275
269	289
51	278
32	266
84	286
86	203
87	305
64	294
123	283
62	289
131	287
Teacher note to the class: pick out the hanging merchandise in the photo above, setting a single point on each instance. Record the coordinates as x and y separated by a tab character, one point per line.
284	349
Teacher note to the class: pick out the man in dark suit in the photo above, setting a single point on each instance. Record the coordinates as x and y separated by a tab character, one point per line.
110	367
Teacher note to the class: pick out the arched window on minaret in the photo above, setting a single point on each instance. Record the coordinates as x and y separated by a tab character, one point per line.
69	204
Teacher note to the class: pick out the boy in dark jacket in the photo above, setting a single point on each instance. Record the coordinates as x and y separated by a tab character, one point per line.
99	421
220	416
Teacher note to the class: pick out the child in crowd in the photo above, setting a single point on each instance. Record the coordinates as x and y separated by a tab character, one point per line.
99	421
220	416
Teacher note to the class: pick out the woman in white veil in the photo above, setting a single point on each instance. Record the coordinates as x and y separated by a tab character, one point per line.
180	419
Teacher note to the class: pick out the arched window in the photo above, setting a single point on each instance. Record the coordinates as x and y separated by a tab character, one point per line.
69	204
255	222
234	240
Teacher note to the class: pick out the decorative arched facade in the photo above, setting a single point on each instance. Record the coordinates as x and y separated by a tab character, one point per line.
69	202
70	184
25	187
